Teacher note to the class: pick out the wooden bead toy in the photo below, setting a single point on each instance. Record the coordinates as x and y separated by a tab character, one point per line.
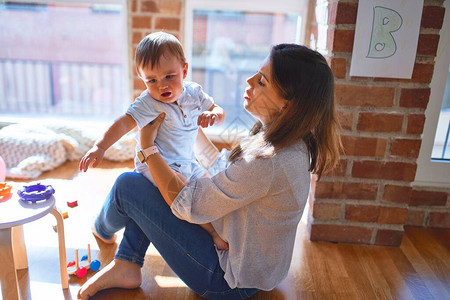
80	269
72	204
72	266
95	265
81	272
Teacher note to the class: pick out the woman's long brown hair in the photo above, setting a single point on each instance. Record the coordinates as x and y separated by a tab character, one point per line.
303	77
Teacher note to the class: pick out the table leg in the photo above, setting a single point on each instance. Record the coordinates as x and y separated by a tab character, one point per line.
62	247
8	275
19	249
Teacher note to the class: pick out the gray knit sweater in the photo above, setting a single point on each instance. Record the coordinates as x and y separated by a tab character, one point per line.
256	206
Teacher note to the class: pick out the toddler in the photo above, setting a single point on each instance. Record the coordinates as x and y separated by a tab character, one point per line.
162	66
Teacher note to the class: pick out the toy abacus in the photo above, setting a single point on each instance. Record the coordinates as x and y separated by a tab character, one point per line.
79	269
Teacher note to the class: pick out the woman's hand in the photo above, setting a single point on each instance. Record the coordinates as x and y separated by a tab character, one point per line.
166	179
148	133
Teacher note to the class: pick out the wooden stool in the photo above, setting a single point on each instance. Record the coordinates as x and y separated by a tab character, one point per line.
13	254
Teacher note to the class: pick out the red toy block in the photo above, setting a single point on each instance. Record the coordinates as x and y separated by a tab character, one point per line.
71	263
72	204
81	272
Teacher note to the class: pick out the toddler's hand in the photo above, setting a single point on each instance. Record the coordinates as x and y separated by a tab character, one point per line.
206	119
94	156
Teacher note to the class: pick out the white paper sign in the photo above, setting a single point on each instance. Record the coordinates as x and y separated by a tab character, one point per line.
386	36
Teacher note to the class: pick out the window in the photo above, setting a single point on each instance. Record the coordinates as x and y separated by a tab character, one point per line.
225	46
433	165
441	145
63	59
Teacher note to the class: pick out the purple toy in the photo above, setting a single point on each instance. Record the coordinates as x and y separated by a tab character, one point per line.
36	192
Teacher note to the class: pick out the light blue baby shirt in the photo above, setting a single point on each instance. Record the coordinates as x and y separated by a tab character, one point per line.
178	131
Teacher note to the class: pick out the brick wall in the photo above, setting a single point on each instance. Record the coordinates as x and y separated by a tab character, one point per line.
369	198
145	17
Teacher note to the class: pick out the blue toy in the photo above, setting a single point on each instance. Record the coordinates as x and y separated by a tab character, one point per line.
95	265
36	192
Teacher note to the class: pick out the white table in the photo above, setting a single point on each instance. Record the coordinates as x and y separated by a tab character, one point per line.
13	256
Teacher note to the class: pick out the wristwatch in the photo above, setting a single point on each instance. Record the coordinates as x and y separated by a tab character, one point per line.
144	154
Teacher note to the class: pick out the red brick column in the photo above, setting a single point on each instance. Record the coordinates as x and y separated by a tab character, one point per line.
145	17
369	198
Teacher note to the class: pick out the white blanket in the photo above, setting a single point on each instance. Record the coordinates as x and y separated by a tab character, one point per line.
30	149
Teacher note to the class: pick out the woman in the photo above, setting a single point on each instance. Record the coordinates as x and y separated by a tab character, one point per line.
255	204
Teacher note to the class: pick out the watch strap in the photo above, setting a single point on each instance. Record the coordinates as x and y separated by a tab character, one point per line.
145	153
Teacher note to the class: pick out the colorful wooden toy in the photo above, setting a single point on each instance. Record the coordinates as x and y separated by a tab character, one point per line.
5	191
35	192
71	263
86	259
95	265
72	204
72	266
81	272
80	269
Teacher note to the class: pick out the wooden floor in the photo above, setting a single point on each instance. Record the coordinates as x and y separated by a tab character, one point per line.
418	269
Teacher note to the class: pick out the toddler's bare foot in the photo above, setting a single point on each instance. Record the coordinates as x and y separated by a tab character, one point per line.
118	273
220	244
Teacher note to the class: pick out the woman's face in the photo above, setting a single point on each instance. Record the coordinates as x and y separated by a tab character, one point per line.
261	97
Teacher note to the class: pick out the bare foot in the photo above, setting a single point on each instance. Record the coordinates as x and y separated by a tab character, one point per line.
106	241
119	273
220	244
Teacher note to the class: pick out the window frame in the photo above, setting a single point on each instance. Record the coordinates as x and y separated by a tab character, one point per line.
430	172
261	6
300	7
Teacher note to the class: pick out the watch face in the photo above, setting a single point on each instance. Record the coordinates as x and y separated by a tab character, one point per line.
141	156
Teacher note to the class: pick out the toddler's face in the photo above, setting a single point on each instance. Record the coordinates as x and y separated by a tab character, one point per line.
164	81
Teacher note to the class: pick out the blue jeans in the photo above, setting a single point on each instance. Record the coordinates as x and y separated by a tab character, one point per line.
136	204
